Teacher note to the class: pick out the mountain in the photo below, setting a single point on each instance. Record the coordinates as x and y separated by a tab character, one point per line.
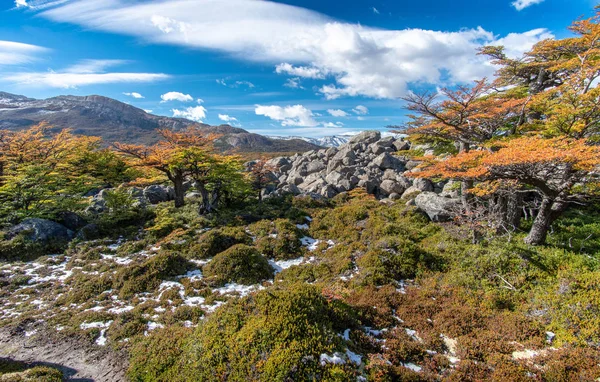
329	141
116	121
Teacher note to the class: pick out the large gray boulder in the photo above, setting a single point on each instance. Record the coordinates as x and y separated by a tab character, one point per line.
438	208
157	194
388	187
366	137
387	161
42	231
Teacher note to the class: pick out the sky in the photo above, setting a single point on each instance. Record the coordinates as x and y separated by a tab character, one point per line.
307	68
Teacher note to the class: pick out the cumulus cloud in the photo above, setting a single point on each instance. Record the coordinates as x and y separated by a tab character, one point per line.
15	53
357	60
337	112
522	4
227	118
360	110
296	115
176	96
300	71
86	72
196	113
134	95
333	124
236	84
149	111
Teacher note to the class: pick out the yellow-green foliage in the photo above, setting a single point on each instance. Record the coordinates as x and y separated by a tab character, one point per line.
217	240
14	371
158	357
148	275
240	264
276	335
279	239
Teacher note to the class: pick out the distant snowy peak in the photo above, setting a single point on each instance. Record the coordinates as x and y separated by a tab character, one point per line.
330	141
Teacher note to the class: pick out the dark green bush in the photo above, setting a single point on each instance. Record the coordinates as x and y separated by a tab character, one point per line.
147	276
218	240
279	239
241	264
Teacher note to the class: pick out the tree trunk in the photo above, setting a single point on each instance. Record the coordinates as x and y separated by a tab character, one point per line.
513	210
205	206
548	212
465	185
179	191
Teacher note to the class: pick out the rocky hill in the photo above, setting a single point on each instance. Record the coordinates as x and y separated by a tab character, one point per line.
366	161
117	121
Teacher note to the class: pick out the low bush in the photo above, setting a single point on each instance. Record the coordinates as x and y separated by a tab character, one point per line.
279	240
147	276
218	240
240	264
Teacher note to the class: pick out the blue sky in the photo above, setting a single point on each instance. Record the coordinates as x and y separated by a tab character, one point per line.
311	68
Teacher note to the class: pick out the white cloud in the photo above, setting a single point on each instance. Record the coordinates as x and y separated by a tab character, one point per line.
15	53
522	4
300	71
360	110
197	113
148	111
333	124
221	82
134	95
200	100
296	115
38	4
86	72
337	112
235	84
176	96
227	118
360	61
375	10
21	3
293	83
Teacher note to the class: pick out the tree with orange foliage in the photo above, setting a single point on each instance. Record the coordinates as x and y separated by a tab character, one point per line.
560	170
40	171
261	176
165	156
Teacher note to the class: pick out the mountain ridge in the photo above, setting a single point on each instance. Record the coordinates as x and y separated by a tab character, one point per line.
115	121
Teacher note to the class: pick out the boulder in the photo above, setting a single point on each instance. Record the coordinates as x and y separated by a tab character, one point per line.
438	208
42	231
89	232
451	189
401	145
157	194
387	161
388	187
315	166
366	137
423	184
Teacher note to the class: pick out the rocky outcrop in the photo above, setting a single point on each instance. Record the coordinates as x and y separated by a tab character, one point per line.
367	160
41	231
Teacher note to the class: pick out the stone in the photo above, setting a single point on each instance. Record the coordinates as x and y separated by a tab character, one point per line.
328	191
156	194
410	192
389	186
334	177
411	164
401	145
366	137
438	208
89	232
386	161
394	196
41	231
423	184
451	189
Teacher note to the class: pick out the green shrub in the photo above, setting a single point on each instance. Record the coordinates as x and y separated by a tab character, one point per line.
218	240
147	276
23	249
15	371
241	264
279	239
275	335
84	287
158	357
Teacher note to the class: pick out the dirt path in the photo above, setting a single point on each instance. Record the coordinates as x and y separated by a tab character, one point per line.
79	362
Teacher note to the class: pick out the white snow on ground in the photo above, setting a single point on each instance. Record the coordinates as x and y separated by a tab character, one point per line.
412	367
121	310
194	275
280	265
312	244
335	359
302	226
243	290
154	325
353	357
116	259
524	354
101	340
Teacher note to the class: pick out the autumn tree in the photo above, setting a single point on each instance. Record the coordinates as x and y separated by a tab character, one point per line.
40	169
166	155
560	170
261	176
